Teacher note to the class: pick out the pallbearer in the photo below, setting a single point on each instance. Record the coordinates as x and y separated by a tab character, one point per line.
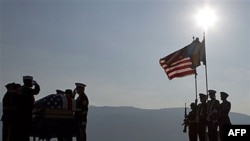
82	103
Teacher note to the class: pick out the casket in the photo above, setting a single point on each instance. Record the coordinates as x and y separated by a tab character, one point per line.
53	116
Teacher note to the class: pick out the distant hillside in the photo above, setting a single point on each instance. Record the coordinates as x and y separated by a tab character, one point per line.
133	124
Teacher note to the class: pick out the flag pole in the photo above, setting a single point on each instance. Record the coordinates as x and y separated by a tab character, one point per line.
195	79
205	65
196	100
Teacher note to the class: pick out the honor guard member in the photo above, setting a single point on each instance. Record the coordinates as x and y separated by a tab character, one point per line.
224	110
14	124
191	122
69	93
201	117
82	103
212	116
7	112
70	99
25	106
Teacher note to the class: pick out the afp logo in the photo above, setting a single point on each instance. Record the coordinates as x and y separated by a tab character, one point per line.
239	132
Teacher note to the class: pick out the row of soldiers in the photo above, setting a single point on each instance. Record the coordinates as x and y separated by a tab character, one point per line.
18	103
209	115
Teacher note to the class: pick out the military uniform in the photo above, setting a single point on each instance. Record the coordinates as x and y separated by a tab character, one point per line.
82	103
10	115
7	116
212	116
224	110
201	117
192	124
25	106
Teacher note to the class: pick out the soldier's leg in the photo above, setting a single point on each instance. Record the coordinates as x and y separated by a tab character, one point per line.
5	131
84	134
202	132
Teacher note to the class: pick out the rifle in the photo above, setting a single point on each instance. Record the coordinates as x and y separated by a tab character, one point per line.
185	120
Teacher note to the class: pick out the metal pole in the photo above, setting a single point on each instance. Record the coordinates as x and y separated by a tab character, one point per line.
205	65
196	100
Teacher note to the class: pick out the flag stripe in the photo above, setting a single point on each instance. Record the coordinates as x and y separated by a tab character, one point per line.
187	72
179	68
184	61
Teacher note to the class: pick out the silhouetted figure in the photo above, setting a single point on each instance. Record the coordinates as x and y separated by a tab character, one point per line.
224	110
191	122
25	106
201	117
60	92
10	116
212	116
14	124
70	97
82	103
7	116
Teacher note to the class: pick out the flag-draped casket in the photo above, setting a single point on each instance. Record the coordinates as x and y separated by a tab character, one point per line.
54	116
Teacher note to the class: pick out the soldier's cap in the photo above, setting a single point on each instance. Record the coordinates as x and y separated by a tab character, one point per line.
224	94
68	91
202	95
80	85
59	91
211	92
9	85
16	85
27	77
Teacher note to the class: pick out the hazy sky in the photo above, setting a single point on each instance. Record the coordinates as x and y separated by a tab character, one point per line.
114	46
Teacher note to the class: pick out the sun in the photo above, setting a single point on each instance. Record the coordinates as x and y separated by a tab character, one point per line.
206	18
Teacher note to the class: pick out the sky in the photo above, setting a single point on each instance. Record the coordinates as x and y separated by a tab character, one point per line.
114	47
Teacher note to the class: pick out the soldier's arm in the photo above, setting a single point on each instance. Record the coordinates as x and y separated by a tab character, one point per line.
36	90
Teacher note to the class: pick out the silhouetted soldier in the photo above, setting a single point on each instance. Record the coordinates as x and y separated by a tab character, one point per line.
191	123
224	110
82	103
201	117
14	124
212	116
70	98
60	92
25	106
7	112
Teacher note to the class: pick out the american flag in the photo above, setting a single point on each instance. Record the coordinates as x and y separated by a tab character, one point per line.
56	101
179	63
180	68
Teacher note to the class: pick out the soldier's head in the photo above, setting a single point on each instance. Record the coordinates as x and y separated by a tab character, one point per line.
10	86
27	80
203	97
80	88
212	94
69	93
223	95
17	88
193	105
